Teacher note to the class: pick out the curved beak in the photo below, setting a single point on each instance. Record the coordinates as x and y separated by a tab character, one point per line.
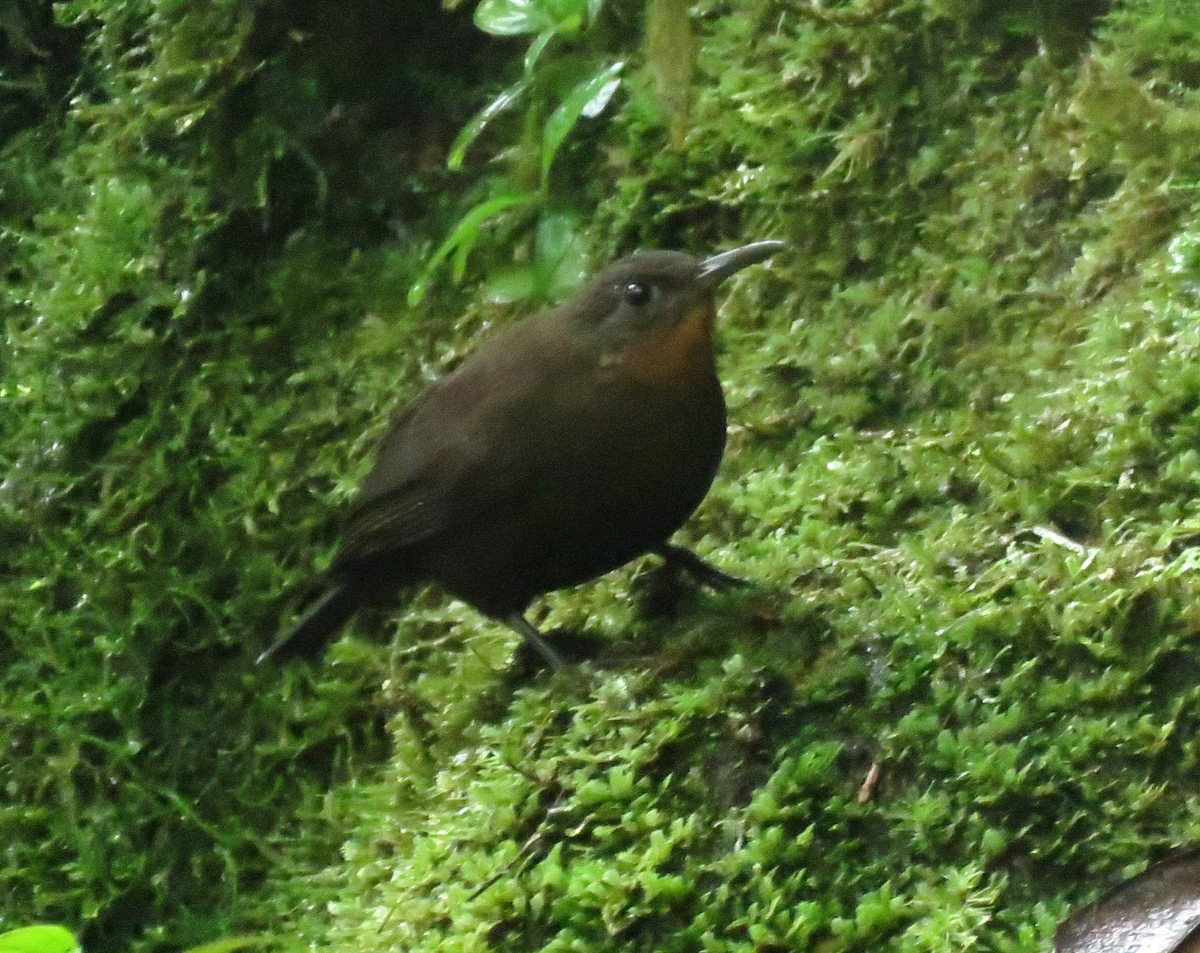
716	269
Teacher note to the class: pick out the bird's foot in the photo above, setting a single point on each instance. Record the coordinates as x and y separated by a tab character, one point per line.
706	574
526	629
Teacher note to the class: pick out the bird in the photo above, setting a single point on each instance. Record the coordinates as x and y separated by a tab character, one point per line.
565	445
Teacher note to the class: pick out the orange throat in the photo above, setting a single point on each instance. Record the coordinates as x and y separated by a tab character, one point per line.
673	356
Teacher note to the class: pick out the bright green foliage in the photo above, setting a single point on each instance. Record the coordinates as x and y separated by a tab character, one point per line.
963	470
537	223
41	938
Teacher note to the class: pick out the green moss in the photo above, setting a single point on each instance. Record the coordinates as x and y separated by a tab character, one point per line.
164	326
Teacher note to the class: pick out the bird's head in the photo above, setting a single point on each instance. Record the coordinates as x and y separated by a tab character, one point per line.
646	295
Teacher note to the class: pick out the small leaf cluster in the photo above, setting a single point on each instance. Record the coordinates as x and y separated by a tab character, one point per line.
521	205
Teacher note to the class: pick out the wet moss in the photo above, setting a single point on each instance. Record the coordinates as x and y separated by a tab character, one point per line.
962	469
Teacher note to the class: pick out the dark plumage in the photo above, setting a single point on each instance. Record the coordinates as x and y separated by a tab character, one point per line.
567	444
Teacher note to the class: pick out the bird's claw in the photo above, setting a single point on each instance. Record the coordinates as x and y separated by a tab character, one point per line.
702	572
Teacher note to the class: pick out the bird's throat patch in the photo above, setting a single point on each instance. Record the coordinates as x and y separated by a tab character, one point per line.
673	355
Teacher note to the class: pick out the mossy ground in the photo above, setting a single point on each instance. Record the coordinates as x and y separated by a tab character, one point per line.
963	472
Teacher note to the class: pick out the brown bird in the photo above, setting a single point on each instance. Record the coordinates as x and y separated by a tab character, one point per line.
567	444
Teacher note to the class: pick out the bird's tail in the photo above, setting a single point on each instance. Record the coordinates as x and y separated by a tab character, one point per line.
320	623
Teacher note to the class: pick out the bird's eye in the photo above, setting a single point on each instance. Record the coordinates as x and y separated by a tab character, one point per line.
638	294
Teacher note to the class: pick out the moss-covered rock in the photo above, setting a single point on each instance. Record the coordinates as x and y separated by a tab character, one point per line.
962	469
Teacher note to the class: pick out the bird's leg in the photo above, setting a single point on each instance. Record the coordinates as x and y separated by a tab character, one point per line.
679	558
519	624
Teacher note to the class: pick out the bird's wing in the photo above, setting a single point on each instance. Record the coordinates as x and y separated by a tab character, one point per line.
402	518
469	443
396	505
406	497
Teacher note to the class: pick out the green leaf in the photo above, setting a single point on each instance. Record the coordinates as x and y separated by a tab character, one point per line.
562	10
513	17
536	48
42	938
568	15
587	99
465	234
470	132
520	17
509	285
560	262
